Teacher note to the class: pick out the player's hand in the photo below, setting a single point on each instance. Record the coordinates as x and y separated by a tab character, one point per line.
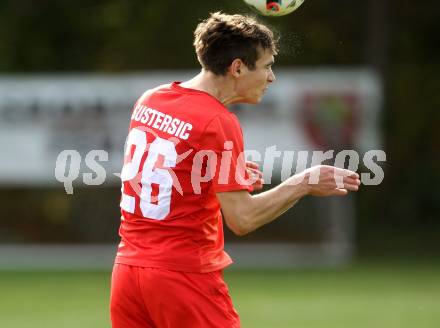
255	175
324	180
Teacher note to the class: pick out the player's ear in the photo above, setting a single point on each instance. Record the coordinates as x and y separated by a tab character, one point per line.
236	67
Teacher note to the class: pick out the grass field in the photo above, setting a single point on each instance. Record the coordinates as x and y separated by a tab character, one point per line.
364	295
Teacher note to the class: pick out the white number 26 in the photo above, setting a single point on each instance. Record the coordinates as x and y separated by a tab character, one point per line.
161	151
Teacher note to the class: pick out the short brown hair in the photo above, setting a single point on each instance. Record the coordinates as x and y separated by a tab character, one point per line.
221	38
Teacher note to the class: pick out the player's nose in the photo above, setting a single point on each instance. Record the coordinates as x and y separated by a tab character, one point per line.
271	78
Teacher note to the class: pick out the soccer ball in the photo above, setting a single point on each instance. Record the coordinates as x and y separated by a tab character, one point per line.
274	7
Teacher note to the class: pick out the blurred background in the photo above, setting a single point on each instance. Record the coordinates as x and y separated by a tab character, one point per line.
351	75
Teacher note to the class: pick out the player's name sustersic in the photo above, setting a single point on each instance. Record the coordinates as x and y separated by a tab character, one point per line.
162	122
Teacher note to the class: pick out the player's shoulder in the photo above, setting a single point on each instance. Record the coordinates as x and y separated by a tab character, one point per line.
147	94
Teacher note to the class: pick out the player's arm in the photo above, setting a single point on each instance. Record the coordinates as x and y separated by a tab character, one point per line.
244	212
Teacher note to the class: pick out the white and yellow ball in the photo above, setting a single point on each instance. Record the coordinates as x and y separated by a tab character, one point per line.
274	7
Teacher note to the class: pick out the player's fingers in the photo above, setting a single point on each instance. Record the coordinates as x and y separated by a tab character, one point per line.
351	180
255	179
255	172
346	173
347	182
258	185
351	187
252	165
340	192
258	172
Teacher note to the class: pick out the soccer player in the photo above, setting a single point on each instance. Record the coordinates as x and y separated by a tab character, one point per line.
184	173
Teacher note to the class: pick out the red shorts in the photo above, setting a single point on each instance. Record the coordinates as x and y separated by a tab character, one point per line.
158	298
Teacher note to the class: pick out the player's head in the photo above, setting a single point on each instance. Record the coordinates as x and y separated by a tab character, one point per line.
239	46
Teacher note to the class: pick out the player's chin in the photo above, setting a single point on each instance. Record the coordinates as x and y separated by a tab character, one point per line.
254	100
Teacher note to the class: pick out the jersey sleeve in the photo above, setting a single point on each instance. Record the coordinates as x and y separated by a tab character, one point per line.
224	137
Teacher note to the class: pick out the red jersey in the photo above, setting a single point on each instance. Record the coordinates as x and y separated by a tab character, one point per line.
183	146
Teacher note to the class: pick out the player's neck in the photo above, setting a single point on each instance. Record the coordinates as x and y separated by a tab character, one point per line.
220	87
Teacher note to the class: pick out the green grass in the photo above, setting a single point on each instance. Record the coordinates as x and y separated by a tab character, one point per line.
365	295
